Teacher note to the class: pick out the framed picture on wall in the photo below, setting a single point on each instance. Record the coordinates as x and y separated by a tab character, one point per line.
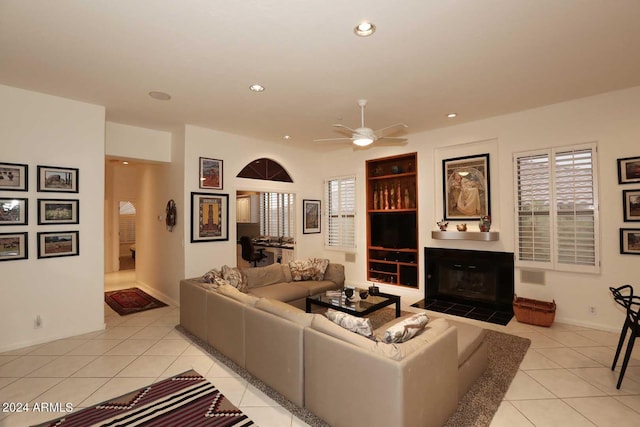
209	217
631	205
13	211
58	211
13	246
630	241
465	182
14	177
52	244
629	170
311	216
210	173
57	179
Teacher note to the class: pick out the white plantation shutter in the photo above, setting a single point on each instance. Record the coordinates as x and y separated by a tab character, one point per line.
533	203
340	211
278	216
557	209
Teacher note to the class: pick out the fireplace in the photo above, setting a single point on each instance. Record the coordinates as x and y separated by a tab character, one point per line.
477	278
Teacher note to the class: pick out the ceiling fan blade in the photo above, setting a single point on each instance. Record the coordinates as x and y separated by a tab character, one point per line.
391	127
338	125
332	140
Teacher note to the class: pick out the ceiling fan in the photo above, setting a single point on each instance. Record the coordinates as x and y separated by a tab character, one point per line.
364	136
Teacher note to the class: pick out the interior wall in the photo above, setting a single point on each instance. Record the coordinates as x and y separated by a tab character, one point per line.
235	152
609	119
38	129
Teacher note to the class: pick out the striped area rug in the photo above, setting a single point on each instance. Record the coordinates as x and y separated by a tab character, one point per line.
184	400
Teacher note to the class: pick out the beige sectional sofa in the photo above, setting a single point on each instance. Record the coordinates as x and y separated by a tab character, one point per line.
344	378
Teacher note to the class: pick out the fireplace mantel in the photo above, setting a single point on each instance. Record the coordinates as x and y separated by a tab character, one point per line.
482	236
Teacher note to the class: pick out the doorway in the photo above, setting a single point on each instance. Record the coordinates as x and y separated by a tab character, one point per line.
127	235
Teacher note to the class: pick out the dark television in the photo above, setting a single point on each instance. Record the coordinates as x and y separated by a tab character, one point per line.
394	230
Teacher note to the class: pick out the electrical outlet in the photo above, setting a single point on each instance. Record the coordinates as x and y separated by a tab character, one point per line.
592	309
37	323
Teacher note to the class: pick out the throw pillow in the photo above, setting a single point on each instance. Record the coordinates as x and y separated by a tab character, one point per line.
406	329
320	266
359	325
302	269
214	277
235	278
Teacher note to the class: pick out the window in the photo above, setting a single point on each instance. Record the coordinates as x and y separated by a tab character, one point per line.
277	211
340	211
557	209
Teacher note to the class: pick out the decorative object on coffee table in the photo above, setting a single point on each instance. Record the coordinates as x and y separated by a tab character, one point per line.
132	300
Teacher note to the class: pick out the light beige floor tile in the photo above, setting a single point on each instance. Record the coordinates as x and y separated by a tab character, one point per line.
183	363
72	390
605	411
115	387
168	348
601	337
524	387
268	416
535	359
147	366
24	365
120	332
551	412
232	388
539	340
569	358
5	359
131	347
570	338
175	335
603	355
63	366
508	416
57	348
218	370
606	379
21	351
632	402
5	382
26	389
105	366
194	350
95	347
254	397
563	383
151	332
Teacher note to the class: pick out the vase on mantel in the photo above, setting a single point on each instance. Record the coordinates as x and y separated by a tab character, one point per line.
485	223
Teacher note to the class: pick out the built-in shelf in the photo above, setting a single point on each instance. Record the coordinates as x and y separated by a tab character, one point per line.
482	236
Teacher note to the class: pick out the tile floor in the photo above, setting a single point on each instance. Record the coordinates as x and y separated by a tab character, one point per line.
564	379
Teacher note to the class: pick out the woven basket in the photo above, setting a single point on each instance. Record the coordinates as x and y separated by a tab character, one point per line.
534	312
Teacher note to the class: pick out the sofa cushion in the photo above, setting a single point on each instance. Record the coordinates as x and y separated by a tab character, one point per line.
285	311
320	265
406	329
432	331
232	292
279	291
263	276
335	273
321	324
469	339
359	325
313	287
234	277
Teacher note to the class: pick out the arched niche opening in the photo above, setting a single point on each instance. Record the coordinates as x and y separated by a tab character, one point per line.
265	169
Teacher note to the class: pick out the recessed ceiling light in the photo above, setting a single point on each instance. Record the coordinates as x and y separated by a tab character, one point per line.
452	115
125	163
160	96
256	88
364	29
287	137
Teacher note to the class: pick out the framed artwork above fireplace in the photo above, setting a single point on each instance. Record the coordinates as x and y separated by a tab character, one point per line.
466	189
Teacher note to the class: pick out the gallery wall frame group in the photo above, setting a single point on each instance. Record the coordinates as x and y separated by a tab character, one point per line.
51	212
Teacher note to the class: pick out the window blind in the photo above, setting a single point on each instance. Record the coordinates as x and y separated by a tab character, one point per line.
340	211
277	215
556	203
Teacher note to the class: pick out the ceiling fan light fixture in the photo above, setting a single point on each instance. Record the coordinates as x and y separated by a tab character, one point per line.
364	29
362	141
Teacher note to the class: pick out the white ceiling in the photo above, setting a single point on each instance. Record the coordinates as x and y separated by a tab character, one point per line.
478	58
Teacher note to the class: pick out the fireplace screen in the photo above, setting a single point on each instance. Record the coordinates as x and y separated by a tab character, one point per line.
468	282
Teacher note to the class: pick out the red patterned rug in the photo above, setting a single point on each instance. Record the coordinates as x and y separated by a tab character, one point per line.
132	300
184	400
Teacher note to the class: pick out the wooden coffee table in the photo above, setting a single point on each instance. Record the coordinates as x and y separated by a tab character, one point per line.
357	308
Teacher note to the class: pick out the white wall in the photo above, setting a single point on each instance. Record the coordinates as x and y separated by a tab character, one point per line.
137	143
37	129
236	152
610	119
